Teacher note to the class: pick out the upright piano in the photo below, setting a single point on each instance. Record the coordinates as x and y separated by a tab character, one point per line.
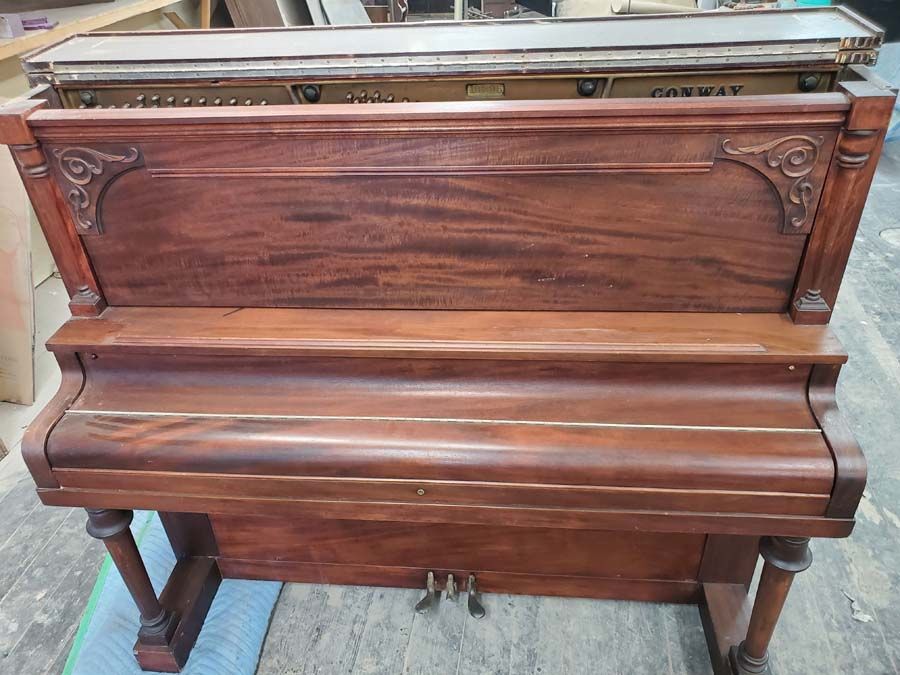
526	307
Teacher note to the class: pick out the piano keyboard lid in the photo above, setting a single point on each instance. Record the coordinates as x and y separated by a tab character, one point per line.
760	39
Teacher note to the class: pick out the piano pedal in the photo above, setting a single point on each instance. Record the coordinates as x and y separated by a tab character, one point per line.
476	609
452	588
427	603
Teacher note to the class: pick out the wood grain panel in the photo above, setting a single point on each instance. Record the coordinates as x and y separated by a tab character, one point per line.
514	516
423	151
445	492
796	461
488	582
563	240
508	335
458	547
477	118
769	396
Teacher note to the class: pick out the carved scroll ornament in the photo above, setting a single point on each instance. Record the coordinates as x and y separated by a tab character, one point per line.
87	172
795	157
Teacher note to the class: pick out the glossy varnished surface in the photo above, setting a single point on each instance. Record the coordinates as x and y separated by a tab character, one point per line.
547	433
614	336
583	205
448	241
674	432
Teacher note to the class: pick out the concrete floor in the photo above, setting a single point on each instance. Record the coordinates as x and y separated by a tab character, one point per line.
48	564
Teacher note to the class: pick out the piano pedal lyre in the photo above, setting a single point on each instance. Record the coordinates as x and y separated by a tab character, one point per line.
432	595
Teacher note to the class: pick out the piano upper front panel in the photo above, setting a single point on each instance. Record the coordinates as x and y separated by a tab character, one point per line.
449	214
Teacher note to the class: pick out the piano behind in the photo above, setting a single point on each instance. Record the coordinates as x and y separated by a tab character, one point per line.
553	322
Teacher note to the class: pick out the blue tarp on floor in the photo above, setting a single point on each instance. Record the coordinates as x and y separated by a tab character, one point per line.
230	641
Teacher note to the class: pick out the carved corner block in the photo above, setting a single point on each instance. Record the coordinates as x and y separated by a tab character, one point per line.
792	165
812	301
84	174
86	302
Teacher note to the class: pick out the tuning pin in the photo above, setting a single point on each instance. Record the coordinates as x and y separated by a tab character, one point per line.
187	100
201	100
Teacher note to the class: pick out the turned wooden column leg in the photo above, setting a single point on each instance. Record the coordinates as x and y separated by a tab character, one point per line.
784	557
112	526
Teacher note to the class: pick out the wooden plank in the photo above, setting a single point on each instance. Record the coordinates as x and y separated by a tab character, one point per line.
62	577
446	492
345	12
596	519
582	554
725	612
614	336
78	20
648	590
27	543
324	625
205	13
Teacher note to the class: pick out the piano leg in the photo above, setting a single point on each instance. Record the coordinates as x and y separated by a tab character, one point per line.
784	557
171	623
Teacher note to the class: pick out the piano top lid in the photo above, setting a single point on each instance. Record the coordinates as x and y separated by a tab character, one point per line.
771	38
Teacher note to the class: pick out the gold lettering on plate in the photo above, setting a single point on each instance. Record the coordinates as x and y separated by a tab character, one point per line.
486	90
697	90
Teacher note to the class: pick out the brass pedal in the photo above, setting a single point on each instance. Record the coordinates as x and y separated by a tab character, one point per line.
452	588
427	603
476	609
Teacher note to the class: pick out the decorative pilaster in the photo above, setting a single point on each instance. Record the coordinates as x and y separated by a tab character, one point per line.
843	197
50	207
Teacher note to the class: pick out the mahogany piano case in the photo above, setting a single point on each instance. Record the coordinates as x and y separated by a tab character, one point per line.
539	325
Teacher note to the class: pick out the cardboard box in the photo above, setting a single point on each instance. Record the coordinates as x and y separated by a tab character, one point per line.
16	287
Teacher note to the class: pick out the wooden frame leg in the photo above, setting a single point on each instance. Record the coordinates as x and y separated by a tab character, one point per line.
171	623
784	557
112	527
